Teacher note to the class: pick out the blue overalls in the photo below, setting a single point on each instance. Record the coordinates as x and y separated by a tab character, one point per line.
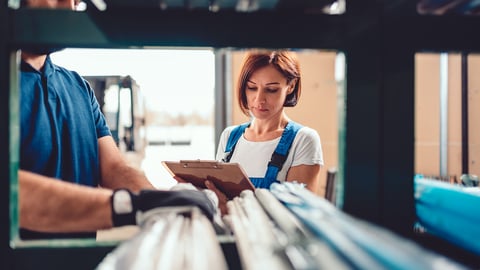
278	157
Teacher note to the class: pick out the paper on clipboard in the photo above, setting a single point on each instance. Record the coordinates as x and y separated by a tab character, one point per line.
229	178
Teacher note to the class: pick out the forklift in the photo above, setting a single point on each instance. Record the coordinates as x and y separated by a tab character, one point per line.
123	105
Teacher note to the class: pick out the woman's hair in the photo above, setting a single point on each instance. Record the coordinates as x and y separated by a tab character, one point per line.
285	62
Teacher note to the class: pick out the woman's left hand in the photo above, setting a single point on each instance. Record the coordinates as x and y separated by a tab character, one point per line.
222	198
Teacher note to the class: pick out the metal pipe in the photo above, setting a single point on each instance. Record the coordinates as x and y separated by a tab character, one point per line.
465	118
444	114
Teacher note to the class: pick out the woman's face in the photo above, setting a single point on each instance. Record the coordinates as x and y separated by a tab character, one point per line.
266	91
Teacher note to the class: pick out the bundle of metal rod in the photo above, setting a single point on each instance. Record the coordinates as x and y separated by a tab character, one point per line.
254	235
363	245
269	237
170	238
303	249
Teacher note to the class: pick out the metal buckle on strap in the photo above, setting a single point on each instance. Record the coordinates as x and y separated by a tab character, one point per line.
227	156
277	160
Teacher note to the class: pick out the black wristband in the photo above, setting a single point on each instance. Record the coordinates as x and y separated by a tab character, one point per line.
123	208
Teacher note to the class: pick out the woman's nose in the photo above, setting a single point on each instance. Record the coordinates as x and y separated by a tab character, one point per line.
260	97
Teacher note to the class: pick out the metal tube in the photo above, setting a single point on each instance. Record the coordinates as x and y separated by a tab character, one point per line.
443	114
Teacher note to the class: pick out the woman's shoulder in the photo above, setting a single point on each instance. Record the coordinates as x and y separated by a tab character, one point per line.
229	129
306	132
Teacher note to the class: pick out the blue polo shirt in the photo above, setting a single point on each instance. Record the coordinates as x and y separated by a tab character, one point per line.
60	122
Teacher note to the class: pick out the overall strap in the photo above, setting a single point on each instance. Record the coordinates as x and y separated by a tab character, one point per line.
233	138
281	152
260	182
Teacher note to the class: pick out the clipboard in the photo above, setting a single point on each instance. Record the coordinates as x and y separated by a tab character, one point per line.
229	178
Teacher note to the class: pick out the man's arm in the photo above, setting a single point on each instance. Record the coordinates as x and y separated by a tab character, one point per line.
50	205
115	171
53	206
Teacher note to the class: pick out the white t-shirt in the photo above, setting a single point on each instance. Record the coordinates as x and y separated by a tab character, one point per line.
306	149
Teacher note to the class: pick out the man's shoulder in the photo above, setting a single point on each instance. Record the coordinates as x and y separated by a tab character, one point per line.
63	70
66	71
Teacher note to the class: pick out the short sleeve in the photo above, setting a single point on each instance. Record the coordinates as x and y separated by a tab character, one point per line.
101	125
307	148
222	142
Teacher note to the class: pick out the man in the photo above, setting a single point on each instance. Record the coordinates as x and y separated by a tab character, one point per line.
64	136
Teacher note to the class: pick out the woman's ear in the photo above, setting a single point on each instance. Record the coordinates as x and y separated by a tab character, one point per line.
291	86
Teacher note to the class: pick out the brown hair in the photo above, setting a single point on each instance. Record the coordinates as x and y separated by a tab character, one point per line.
285	62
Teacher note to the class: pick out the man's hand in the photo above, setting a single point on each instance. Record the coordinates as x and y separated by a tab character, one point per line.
126	204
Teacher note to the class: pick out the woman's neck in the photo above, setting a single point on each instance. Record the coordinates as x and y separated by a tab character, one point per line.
263	130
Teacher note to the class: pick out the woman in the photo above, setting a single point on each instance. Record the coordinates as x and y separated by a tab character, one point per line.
271	147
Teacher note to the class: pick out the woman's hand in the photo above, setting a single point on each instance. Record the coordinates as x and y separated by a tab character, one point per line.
222	198
179	179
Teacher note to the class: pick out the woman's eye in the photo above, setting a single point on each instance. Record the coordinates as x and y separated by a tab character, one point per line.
251	88
272	90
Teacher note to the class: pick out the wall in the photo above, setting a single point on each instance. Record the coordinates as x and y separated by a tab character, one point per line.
474	113
427	114
317	109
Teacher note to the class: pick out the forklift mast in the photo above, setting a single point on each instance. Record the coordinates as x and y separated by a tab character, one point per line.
123	105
